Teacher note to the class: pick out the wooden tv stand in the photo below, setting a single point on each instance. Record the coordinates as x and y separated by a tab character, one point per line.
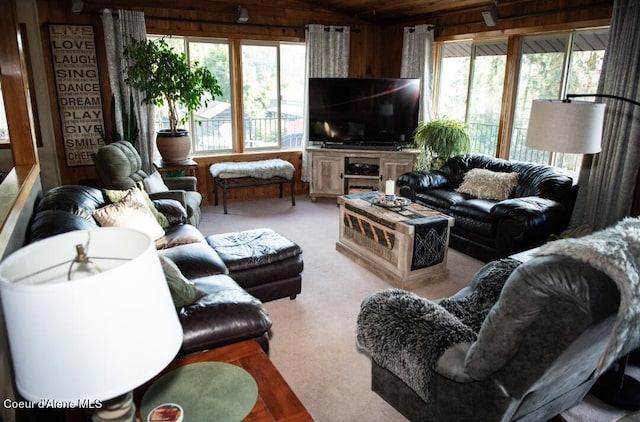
336	172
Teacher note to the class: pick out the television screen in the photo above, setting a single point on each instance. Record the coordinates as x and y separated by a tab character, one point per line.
367	111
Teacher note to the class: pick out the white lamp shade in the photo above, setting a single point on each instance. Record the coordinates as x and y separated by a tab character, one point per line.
569	127
91	338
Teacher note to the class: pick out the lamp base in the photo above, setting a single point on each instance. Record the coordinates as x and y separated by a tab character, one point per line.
118	409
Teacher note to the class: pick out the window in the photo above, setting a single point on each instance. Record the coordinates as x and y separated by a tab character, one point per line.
211	126
4	127
272	95
471	89
541	73
454	81
550	66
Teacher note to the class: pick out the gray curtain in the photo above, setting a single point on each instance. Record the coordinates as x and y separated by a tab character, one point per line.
327	50
119	29
417	62
607	180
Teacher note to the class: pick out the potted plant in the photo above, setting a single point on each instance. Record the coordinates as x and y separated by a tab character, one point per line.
165	77
441	139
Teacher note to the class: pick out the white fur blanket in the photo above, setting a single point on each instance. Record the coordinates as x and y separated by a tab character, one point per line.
616	252
261	169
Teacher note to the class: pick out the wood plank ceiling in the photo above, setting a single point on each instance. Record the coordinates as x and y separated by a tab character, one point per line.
402	11
376	12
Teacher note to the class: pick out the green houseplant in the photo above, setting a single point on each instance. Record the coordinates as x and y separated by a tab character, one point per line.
166	77
441	139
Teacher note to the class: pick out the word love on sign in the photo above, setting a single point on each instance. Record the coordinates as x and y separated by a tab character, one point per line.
78	85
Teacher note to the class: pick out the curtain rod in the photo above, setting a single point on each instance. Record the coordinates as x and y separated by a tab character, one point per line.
171	19
429	28
338	28
261	25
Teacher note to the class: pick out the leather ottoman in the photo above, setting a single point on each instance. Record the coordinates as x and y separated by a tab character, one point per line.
263	262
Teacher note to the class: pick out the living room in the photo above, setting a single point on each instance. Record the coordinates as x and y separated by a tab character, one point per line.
45	166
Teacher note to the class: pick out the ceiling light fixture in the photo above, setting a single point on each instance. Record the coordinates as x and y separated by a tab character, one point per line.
491	16
243	15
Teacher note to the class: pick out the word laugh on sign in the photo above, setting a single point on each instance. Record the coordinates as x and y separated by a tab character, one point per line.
77	82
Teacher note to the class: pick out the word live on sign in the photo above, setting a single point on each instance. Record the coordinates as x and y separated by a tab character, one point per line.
78	85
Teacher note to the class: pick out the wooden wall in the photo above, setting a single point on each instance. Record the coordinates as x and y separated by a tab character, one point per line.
189	19
375	51
20	189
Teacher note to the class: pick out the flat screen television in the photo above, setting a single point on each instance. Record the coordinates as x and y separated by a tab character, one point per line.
363	112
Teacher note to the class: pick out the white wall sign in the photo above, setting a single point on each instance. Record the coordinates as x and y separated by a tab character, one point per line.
75	68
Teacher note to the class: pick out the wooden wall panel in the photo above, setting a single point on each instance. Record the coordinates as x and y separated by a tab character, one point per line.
57	12
517	18
375	51
21	187
199	18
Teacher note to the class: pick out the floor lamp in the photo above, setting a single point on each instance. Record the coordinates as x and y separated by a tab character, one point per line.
576	127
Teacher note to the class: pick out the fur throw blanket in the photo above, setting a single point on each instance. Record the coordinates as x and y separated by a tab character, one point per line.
616	252
407	334
261	169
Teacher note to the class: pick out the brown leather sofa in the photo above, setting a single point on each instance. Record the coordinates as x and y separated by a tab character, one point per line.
235	270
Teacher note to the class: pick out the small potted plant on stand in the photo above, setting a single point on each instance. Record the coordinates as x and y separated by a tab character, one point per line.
165	77
440	139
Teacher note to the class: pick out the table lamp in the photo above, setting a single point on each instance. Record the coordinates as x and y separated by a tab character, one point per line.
89	318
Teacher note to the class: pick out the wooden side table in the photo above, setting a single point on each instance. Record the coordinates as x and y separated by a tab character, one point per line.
276	401
189	166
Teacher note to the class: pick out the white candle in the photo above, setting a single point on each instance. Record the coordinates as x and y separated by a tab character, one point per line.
390	188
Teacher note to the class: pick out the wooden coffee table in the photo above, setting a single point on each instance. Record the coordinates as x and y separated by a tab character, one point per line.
276	401
407	247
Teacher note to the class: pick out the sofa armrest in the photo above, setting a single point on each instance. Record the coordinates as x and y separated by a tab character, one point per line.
527	222
227	314
382	330
423	180
188	183
176	195
195	260
172	209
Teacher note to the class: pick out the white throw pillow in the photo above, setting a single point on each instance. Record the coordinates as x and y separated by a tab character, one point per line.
487	184
154	183
131	211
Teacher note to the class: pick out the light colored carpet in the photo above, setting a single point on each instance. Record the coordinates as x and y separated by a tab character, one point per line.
313	336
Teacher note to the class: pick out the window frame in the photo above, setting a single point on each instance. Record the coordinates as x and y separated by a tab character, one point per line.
236	91
512	73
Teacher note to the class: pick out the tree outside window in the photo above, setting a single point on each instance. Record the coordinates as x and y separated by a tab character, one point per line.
471	84
550	66
273	95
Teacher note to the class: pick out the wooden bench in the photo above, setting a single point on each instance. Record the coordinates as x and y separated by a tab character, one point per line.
228	175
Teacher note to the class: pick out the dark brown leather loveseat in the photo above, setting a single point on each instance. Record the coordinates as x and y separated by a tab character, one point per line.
540	204
235	270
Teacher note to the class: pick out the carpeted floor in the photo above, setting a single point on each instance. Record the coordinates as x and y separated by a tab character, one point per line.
313	336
